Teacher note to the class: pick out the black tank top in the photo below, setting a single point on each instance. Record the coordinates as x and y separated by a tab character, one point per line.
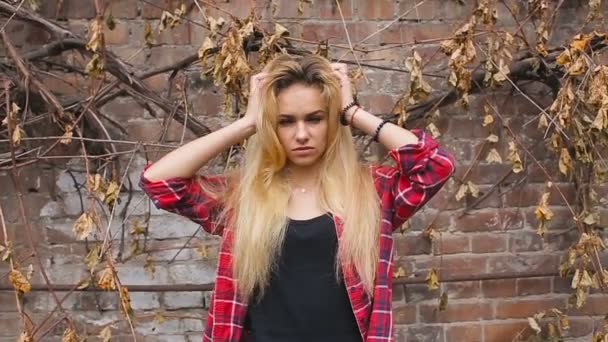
304	301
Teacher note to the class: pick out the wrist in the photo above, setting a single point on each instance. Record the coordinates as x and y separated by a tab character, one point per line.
248	125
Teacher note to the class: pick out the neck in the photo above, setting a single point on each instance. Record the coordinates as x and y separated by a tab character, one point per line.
303	176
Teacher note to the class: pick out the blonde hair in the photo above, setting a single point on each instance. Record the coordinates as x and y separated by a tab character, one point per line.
258	202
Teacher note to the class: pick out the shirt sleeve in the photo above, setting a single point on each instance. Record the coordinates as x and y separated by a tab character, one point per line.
187	197
422	169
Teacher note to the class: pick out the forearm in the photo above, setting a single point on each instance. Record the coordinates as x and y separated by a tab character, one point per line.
391	136
188	159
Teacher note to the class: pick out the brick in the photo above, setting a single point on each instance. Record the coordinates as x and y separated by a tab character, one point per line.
150	131
8	326
525	242
456	312
153	9
488	243
161	56
524	262
533	286
483	173
9	301
579	327
70	9
131	55
411	244
426	333
398	293
499	288
427	32
126	9
404	314
377	103
426	217
182	300
525	308
489	220
488	198
207	104
123	109
428	10
594	306
320	9
179	35
445	199
451	244
458	333
416	293
463	289
119	35
496	332
379	9
452	266
334	31
203	273
562	219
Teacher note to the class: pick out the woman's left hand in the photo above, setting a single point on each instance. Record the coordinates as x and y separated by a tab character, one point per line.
346	89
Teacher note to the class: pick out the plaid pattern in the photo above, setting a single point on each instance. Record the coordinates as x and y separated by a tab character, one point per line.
421	171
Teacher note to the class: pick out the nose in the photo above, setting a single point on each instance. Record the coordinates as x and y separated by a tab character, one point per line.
302	134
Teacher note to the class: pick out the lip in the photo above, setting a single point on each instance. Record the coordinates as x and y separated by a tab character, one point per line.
302	149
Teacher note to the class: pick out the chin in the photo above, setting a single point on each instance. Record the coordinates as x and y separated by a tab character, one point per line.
304	162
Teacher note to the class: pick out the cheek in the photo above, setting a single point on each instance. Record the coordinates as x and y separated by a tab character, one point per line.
282	134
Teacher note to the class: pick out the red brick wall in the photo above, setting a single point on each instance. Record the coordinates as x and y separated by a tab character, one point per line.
481	250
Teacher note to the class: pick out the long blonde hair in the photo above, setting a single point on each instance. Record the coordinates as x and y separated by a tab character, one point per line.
259	201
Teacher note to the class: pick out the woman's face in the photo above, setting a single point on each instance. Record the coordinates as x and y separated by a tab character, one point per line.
302	124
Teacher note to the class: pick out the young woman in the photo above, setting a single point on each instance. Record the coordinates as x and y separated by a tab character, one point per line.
306	250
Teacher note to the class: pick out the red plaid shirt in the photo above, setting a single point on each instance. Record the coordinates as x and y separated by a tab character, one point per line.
421	171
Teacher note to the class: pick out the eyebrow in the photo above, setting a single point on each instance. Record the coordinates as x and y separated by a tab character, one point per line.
319	111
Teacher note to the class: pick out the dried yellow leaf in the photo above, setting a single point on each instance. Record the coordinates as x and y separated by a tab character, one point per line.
462	191
96	39
432	280
105	334
25	337
534	325
92	258
565	162
434	130
493	138
494	157
17	135
399	273
513	157
473	189
488	119
19	281
69	335
107	279
83	226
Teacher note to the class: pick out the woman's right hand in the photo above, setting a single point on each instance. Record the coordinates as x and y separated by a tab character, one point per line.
254	105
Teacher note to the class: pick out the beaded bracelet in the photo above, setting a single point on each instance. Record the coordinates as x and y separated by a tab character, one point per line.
377	133
344	110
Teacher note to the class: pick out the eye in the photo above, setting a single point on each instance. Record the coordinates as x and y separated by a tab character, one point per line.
285	122
315	119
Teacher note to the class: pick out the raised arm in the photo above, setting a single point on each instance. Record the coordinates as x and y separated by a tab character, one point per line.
422	166
172	183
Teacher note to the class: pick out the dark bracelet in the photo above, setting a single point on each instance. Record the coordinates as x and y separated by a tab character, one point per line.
377	133
343	120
